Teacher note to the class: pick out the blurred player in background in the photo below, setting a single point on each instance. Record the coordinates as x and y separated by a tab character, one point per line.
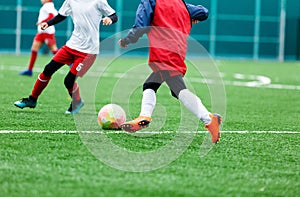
47	36
168	24
80	50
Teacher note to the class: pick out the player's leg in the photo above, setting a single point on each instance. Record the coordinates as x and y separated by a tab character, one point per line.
81	65
188	99
61	58
51	43
74	92
40	84
36	45
53	49
195	105
150	88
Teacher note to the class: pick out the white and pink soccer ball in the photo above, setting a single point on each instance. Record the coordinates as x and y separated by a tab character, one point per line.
111	116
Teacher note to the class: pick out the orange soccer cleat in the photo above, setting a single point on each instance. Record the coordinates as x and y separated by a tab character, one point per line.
138	123
214	127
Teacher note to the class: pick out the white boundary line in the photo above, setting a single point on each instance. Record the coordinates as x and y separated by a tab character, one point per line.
146	132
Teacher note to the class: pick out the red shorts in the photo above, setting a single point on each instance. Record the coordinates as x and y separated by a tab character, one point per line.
48	39
81	61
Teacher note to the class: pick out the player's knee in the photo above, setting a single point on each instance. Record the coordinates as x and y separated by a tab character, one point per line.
176	85
51	68
175	93
151	85
69	80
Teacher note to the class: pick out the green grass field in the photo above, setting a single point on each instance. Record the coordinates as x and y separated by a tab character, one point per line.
248	161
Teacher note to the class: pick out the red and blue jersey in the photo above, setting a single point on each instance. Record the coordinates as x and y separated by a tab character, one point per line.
168	24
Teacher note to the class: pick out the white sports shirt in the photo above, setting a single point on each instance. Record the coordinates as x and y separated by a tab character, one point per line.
86	16
46	9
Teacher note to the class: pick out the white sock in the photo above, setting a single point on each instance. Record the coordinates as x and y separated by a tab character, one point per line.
194	104
148	102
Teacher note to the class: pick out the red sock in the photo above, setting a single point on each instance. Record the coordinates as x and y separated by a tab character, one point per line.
40	85
74	92
32	59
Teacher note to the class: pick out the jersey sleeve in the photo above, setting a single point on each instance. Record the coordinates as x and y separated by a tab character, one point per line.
105	8
145	13
65	9
144	16
199	12
57	19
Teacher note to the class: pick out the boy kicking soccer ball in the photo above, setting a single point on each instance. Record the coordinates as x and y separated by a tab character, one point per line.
168	24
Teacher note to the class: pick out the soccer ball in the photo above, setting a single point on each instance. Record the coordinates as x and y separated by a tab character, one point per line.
111	116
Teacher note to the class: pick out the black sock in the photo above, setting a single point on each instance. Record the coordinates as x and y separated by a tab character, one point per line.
32	98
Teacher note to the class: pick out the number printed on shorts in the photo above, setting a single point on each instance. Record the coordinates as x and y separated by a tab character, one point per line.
79	67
